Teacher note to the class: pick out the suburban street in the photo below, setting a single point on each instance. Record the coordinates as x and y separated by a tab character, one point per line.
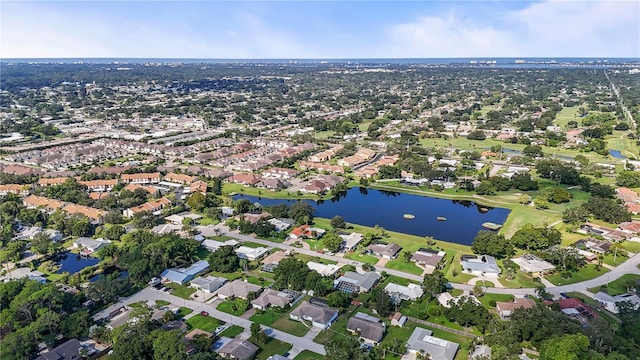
628	267
150	294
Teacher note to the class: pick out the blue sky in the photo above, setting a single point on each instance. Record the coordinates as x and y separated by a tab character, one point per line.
319	29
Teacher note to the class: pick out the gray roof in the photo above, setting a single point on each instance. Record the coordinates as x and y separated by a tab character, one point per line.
439	349
318	314
365	281
368	327
209	283
238	288
272	298
239	349
484	263
66	351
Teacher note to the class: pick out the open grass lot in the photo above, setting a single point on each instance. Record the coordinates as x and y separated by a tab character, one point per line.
520	280
162	303
369	259
259	281
408	267
308	355
619	286
230	188
306	258
565	115
612	260
632	246
227	306
486	299
228	276
183	311
180	290
206	323
270	347
280	321
232	331
586	273
619	141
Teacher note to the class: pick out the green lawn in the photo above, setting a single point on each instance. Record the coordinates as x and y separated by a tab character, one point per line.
486	298
632	246
232	331
206	323
306	258
226	306
521	280
308	355
259	281
586	273
271	347
162	303
620	285
181	290
183	311
280	321
369	259
229	276
408	267
230	188
565	115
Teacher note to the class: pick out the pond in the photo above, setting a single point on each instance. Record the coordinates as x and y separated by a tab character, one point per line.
372	207
73	263
122	275
616	154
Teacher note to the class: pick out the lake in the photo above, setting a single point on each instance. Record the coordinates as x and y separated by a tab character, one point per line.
372	207
616	154
72	263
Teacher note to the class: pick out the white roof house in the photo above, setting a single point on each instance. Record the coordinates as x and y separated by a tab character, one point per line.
533	264
249	253
401	292
438	349
480	265
213	245
323	269
609	302
351	240
89	244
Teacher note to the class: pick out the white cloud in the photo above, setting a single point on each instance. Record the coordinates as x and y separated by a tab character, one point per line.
546	29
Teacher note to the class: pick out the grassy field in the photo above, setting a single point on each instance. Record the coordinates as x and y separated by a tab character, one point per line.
619	286
586	273
227	306
206	323
181	290
230	188
401	265
280	321
162	303
486	299
183	311
306	258
308	355
232	331
369	259
565	115
270	347
521	280
619	141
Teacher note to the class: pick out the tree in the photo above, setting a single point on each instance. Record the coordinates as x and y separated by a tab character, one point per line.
114	232
434	284
567	347
607	210
524	182
197	201
338	299
337	222
628	179
76	325
491	243
169	345
533	150
382	301
533	238
224	260
407	255
242	206
255	330
604	191
332	241
344	348
41	243
575	215
301	212
476	135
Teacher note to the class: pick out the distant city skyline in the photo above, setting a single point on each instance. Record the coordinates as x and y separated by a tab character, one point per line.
317	30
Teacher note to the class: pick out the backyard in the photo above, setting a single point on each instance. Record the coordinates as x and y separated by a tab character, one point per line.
279	321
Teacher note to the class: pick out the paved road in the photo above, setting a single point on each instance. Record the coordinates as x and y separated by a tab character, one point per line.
152	294
628	267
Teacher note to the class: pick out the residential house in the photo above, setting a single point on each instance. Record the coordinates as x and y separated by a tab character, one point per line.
627	195
141	178
271	184
574	307
199	186
351	240
213	245
400	292
238	289
55	181
271	297
270	262
183	275
207	284
251	254
95	215
370	329
245	179
384	250
35	201
320	316
611	302
99	185
533	265
17	189
177	219
482	265
306	232
353	282
505	309
428	258
281	224
150	189
323	269
179	178
71	350
154	206
480	352
280	173
421	342
238	349
89	245
631	227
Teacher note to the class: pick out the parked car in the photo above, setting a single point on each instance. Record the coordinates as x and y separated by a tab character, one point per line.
204	313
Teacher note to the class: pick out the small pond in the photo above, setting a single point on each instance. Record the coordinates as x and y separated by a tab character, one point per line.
372	207
616	154
73	263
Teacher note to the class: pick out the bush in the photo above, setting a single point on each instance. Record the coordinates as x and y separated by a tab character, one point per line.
434	311
492	303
